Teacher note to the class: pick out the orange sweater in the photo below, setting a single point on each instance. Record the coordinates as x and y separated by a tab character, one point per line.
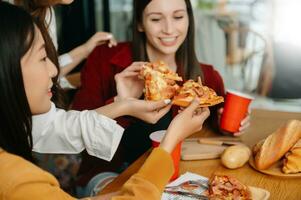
20	179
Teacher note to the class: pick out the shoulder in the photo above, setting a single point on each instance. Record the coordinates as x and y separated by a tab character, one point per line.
119	56
207	68
105	50
212	78
16	171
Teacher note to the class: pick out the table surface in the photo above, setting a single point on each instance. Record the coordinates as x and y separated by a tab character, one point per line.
263	123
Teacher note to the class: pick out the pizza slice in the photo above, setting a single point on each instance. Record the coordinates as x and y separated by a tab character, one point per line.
227	188
191	90
160	81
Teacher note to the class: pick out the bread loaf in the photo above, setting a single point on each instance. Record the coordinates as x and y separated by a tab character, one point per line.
277	144
292	160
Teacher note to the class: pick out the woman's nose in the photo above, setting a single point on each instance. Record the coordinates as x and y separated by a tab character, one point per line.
168	26
51	68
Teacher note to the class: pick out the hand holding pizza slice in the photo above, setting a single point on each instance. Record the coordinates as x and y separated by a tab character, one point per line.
191	89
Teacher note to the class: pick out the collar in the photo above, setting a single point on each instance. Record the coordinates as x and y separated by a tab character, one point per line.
123	58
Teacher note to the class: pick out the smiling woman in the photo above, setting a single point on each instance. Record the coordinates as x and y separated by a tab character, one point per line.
25	80
161	31
38	72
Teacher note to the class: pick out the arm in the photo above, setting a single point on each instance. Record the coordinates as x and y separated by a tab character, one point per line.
20	184
81	52
58	131
148	183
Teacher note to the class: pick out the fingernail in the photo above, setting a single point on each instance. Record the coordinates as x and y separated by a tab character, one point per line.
167	101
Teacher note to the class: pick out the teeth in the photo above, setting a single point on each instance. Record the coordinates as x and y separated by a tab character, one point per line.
168	39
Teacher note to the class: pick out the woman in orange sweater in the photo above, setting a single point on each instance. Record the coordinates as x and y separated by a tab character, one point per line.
25	81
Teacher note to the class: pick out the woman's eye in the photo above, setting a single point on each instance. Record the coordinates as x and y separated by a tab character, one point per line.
155	19
178	17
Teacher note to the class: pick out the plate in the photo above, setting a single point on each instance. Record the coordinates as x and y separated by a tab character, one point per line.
259	193
274	170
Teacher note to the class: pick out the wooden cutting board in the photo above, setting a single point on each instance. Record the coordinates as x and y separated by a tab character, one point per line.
193	150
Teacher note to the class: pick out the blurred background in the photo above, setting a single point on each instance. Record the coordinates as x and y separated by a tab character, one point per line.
254	44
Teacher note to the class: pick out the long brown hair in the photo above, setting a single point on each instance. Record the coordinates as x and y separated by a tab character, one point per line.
38	10
186	59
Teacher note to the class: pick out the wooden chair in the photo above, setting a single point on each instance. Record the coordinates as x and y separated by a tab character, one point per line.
246	52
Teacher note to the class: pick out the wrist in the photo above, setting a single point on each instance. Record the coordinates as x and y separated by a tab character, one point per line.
169	143
85	50
124	106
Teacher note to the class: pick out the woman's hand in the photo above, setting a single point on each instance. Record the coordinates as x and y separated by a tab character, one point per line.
184	124
244	124
97	39
149	111
128	84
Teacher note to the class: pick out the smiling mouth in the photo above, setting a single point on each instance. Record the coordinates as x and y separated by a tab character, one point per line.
168	41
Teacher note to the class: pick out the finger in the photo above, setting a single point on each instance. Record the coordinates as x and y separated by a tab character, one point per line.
200	80
102	36
238	133
204	114
127	74
193	106
163	111
134	67
245	120
158	105
244	127
112	42
220	111
141	64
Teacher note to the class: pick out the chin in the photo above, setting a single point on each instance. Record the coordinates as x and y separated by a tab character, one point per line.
168	50
42	109
66	2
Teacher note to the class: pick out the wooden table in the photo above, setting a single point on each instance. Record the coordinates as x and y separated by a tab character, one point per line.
263	123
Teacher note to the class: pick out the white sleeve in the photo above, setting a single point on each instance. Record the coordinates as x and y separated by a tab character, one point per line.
65	60
50	21
60	131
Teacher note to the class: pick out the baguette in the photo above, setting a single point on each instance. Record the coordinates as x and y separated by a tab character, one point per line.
277	144
292	160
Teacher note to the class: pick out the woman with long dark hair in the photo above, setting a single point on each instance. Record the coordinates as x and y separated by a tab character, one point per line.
162	30
26	75
71	132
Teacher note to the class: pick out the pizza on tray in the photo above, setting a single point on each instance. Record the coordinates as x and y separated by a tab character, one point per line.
160	81
227	188
191	89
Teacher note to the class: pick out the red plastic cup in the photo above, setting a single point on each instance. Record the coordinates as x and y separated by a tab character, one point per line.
235	110
156	138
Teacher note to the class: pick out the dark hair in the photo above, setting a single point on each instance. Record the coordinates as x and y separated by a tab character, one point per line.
38	9
186	59
17	34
